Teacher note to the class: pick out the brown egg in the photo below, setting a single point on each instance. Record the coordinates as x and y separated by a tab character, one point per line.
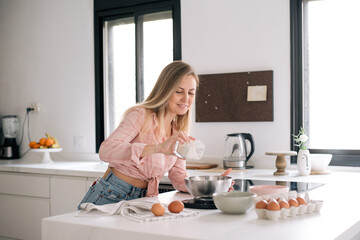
261	204
301	200
274	199
273	205
176	206
293	202
158	209
284	204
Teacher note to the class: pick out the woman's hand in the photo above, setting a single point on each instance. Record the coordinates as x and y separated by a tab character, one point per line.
167	147
227	172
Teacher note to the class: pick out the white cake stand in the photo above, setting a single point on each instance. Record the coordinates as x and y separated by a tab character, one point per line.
46	157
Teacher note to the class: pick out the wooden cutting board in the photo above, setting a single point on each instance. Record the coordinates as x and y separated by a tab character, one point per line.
200	165
319	172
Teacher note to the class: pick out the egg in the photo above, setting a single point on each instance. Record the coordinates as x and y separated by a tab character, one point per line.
273	198
176	206
273	205
293	202
261	204
301	200
283	203
157	209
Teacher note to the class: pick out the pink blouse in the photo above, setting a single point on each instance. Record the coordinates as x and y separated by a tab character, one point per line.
122	150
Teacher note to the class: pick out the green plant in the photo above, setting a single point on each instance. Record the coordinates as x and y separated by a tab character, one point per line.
301	139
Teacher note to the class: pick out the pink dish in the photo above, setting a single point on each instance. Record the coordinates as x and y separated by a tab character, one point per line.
268	189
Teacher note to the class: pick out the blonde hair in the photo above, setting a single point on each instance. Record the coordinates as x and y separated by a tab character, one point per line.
157	101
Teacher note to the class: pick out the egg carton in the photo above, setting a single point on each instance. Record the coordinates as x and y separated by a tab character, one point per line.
310	207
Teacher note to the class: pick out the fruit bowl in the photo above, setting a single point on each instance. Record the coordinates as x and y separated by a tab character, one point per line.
46	157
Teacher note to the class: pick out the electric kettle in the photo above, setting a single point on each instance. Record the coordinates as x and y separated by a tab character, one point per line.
237	152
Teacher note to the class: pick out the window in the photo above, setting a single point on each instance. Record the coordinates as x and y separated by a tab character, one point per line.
133	43
325	81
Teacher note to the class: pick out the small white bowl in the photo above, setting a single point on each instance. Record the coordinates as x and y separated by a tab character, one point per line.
319	162
234	202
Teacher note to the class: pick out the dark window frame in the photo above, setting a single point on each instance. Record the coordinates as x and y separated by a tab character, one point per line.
108	9
340	157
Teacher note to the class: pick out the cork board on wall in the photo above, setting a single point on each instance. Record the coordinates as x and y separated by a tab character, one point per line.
235	97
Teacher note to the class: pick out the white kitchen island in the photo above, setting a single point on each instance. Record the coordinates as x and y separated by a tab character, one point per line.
339	217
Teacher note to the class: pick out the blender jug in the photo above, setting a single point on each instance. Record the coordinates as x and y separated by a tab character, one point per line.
237	153
10	127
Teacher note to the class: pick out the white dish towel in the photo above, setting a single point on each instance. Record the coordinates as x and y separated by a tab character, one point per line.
136	210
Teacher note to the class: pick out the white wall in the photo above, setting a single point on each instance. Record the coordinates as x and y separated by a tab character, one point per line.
236	36
46	49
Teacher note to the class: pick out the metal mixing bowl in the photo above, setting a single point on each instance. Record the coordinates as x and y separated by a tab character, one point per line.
206	186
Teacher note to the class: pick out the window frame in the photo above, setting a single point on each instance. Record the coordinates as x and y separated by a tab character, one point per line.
340	157
111	9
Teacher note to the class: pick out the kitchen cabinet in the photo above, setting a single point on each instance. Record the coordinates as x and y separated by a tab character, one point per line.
27	198
66	193
21	216
24	202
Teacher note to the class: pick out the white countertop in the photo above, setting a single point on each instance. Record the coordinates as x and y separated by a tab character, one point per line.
64	168
339	217
95	168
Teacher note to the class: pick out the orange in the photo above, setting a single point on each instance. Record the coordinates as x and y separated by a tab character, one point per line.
49	142
42	141
36	145
31	144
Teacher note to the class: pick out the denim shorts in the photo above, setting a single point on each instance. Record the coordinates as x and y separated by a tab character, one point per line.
111	189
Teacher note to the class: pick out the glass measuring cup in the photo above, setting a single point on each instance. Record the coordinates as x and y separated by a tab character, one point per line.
193	150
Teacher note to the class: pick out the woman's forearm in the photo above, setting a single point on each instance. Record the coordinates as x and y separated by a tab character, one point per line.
150	149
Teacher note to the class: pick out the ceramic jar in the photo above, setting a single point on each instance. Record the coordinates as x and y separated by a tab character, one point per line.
303	162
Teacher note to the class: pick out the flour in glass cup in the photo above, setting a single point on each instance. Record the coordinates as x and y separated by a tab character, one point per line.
193	150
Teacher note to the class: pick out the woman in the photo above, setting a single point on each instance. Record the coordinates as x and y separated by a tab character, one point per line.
140	150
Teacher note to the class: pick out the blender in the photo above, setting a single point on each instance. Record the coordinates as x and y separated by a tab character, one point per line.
10	126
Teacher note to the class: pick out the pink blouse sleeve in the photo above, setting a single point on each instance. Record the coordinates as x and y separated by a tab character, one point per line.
118	147
177	175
